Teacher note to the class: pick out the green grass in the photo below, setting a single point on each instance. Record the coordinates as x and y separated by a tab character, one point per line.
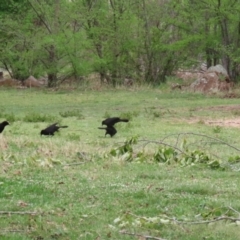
80	191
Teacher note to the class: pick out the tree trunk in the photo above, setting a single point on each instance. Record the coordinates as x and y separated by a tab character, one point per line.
52	73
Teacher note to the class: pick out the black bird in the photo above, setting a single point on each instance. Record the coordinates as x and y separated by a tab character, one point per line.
51	129
112	121
109	130
3	125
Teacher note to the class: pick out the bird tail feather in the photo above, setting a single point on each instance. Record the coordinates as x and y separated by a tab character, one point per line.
124	120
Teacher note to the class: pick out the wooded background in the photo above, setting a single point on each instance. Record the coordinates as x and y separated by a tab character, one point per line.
144	40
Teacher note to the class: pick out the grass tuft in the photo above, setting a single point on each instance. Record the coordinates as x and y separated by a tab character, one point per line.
37	117
72	113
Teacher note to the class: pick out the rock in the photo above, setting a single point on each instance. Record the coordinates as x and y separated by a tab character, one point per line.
188	76
211	82
219	69
203	67
32	82
42	80
9	82
176	86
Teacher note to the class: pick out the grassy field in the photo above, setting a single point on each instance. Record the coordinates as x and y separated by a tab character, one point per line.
79	185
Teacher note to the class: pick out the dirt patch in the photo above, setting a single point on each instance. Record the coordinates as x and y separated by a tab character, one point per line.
220	108
226	122
235	122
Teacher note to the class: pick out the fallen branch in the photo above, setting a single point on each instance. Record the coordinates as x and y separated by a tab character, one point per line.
3	230
161	143
206	221
19	213
198	222
201	135
234	210
140	235
71	164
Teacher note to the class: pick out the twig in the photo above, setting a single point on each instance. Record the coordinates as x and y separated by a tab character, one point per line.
203	135
207	221
178	136
162	143
71	164
199	222
19	213
3	230
234	210
140	235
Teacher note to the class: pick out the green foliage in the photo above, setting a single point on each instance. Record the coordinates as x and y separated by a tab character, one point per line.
126	150
188	158
13	7
167	155
234	159
46	38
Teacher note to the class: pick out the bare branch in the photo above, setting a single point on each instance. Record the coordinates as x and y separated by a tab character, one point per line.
19	213
161	143
71	164
12	230
234	210
206	221
202	135
141	235
40	17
